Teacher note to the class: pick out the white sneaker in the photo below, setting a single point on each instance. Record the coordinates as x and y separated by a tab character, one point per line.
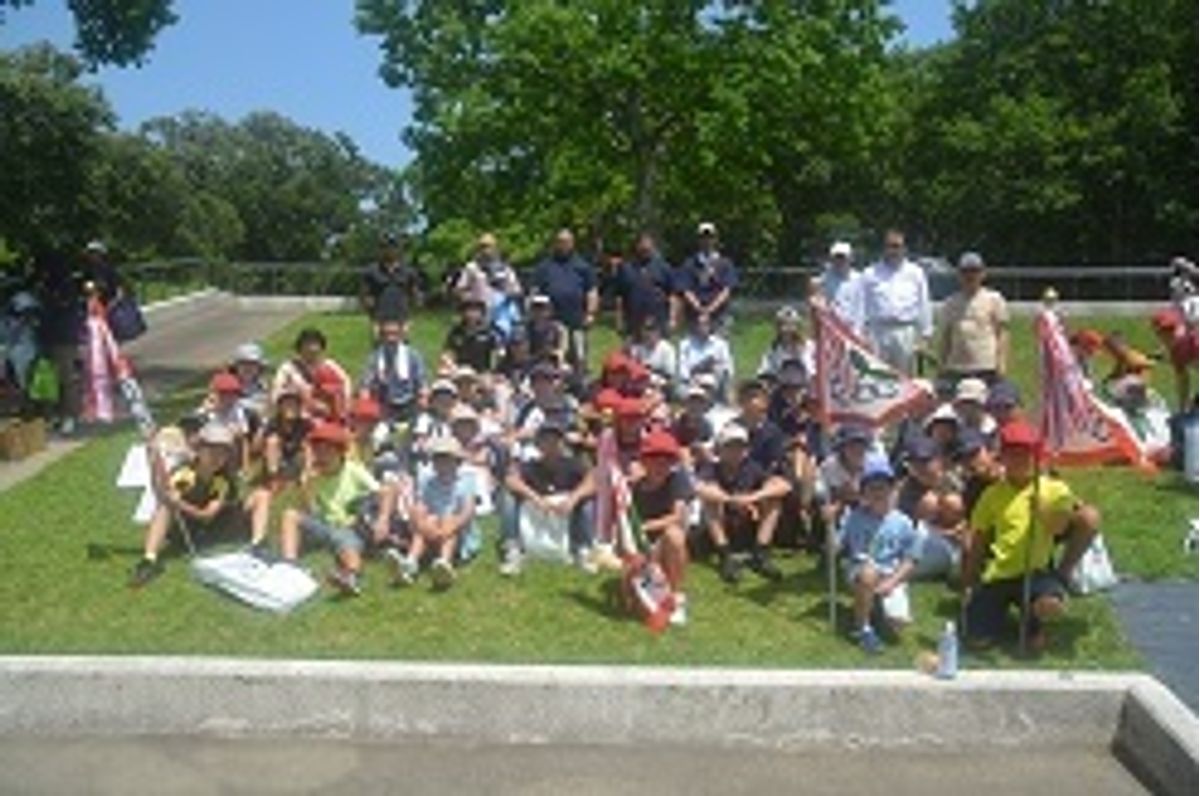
510	566
443	574
679	615
586	561
403	570
604	558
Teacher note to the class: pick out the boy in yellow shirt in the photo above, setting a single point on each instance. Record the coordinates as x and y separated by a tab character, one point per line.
1003	530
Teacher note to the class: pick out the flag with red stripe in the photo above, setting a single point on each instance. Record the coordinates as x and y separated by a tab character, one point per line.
1077	427
852	384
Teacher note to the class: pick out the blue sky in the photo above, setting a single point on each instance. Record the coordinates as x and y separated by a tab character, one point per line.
301	58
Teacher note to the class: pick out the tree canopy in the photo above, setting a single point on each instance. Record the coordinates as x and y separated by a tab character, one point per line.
116	32
1045	131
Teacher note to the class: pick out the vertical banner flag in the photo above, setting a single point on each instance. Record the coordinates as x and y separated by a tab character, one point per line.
1077	427
852	383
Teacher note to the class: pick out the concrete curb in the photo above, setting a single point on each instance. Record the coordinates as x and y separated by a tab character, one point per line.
1157	739
770	709
307	303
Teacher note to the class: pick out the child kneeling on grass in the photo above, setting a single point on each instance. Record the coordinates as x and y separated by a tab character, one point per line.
442	520
660	497
196	495
880	548
332	492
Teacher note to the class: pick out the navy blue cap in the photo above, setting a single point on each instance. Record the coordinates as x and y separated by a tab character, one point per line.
792	377
852	432
554	424
920	449
1003	393
970	441
545	369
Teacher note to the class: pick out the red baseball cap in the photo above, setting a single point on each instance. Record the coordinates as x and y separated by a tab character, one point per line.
658	443
333	433
616	361
630	408
1166	320
366	408
1020	434
1089	340
225	382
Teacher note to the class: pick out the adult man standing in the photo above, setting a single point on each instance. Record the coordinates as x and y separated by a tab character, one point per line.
486	277
643	287
841	286
706	280
897	313
568	281
390	285
973	327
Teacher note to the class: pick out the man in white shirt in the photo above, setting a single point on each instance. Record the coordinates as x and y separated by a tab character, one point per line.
897	312
703	352
973	333
841	285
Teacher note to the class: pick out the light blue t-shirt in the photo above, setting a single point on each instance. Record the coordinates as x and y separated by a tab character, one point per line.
449	497
885	541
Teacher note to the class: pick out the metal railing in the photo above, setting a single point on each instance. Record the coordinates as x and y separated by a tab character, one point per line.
1017	283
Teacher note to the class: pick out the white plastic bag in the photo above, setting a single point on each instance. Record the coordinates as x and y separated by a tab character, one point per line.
544	534
1094	572
277	587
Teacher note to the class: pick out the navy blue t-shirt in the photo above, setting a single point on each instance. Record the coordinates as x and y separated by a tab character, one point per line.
566	281
705	279
768	446
645	291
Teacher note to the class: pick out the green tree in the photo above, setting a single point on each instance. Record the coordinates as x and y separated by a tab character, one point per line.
613	116
51	132
1059	131
117	32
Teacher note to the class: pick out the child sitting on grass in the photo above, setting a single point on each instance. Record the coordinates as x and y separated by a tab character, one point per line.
395	374
332	492
283	440
442	518
879	544
196	494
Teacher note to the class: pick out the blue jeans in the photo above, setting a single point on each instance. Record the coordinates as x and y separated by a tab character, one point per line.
581	529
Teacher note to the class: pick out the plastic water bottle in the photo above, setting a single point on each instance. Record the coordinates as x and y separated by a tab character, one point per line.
947	668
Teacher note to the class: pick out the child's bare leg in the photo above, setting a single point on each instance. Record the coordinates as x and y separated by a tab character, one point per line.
349	559
672	555
156	532
289	534
769	511
864	595
258	506
1083	527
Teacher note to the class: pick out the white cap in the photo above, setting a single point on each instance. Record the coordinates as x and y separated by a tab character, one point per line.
971	390
249	352
732	432
706	228
840	249
445	446
539	298
943	412
443	385
96	246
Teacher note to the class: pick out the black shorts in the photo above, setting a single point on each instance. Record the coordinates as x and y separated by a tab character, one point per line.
988	611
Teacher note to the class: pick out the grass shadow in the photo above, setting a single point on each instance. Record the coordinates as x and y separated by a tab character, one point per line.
608	604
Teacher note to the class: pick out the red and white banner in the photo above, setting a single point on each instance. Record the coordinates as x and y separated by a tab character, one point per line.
1077	427
852	383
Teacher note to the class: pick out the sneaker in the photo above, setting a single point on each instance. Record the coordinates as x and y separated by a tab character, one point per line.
604	558
403	570
869	640
730	570
443	574
510	566
679	615
586	561
761	563
144	572
263	553
346	582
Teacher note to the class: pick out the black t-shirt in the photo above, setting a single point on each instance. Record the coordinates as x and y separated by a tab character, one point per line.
688	431
973	486
477	348
560	478
653	504
748	476
645	291
909	495
291	436
390	287
104	276
545	337
768	446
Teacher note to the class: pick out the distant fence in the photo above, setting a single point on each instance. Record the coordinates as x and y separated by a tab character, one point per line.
1018	283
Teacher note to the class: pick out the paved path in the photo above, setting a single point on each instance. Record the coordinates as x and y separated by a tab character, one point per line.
1160	619
184	342
205	766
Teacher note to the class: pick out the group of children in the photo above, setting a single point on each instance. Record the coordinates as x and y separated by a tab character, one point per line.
400	463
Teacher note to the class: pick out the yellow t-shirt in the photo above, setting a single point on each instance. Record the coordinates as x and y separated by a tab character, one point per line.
1002	516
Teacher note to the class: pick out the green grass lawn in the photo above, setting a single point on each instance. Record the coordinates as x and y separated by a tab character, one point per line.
55	598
